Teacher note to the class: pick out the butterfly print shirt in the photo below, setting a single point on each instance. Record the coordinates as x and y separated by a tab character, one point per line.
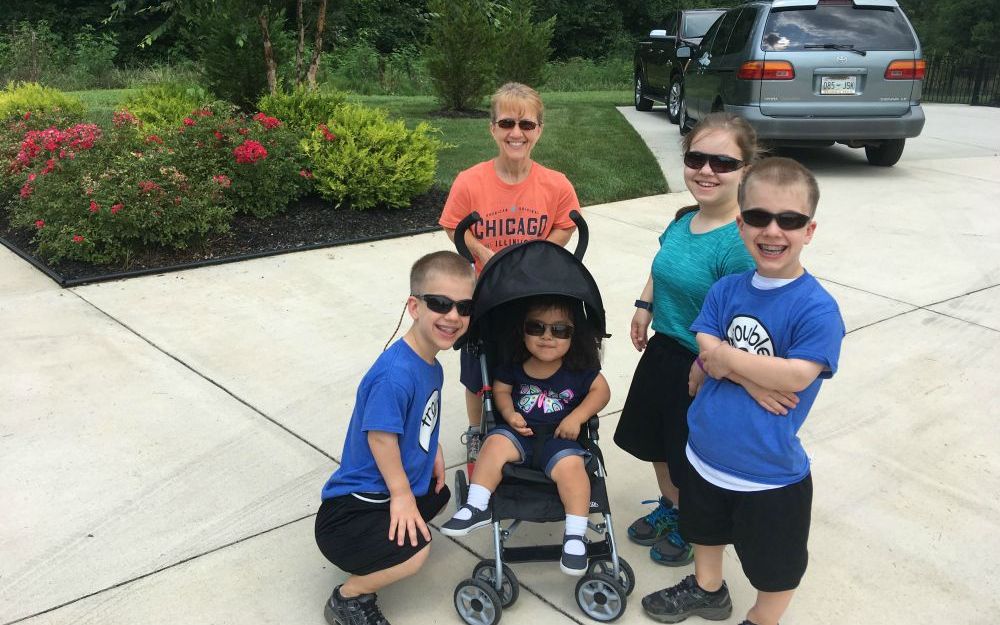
550	400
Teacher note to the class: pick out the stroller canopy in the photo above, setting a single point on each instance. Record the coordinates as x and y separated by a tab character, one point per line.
534	268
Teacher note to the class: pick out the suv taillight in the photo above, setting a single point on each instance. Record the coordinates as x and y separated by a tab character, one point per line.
766	70
906	70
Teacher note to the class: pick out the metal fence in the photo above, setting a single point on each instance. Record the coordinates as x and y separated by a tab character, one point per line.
962	79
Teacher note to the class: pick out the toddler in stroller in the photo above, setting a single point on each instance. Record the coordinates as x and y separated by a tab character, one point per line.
538	321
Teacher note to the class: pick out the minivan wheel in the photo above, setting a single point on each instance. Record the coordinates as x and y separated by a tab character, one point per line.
885	154
682	116
674	100
642	103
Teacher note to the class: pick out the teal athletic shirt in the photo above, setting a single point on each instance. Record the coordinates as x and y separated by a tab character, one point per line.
684	269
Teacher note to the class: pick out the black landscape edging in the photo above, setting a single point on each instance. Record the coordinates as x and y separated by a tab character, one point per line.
67	283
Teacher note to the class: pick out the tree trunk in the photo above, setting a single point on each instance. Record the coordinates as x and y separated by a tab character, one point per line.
317	45
300	50
272	69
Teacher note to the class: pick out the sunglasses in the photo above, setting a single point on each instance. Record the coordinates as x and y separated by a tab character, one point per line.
717	162
559	330
524	124
789	220
442	304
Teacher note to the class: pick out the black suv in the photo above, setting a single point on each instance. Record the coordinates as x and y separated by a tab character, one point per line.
812	72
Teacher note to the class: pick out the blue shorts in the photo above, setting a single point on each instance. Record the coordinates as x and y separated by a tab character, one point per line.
553	449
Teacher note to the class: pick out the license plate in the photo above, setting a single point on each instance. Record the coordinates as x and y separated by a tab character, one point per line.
838	85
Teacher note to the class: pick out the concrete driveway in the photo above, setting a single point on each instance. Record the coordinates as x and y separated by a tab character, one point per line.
163	440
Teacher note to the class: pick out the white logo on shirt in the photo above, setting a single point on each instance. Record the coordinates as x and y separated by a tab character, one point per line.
750	335
429	419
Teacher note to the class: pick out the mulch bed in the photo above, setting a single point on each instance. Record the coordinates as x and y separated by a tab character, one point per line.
309	224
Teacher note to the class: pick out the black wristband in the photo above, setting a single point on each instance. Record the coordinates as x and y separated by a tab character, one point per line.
641	303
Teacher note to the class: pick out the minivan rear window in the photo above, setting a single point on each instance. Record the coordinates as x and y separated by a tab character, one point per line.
863	28
697	24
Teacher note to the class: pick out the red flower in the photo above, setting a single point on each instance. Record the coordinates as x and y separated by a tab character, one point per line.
148	186
267	122
49	165
31	177
77	238
27	115
329	136
219	135
189	122
94	206
27	190
249	152
202	113
243	131
154	139
39	223
223	180
123	117
305	173
115	208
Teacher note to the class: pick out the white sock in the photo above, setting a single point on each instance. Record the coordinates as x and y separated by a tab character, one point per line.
575	526
479	498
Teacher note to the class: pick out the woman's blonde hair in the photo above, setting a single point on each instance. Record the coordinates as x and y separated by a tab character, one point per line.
516	96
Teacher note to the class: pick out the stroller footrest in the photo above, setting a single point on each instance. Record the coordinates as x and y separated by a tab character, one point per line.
550	553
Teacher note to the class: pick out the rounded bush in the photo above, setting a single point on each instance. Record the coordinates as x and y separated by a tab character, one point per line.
161	108
302	108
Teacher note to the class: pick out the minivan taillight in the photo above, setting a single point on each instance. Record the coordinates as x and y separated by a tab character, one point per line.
906	70
766	70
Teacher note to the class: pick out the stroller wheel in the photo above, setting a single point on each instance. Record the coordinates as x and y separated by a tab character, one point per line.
626	577
461	489
477	603
510	588
601	597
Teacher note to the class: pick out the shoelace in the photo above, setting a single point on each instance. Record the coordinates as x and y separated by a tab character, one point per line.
373	615
660	516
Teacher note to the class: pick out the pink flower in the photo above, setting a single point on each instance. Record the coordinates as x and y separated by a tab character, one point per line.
39	223
77	238
27	190
223	180
249	151
267	122
148	186
124	117
219	135
189	122
31	177
154	139
305	173
49	166
116	208
94	206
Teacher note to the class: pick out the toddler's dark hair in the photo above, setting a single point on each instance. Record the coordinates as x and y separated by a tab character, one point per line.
585	346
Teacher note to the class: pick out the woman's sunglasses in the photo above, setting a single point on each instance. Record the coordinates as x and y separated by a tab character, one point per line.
789	220
442	304
717	162
524	124
559	330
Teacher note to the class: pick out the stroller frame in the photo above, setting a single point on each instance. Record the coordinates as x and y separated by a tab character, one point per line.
602	591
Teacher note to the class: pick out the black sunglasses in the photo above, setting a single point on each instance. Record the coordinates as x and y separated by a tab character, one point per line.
717	162
537	328
789	220
442	304
524	124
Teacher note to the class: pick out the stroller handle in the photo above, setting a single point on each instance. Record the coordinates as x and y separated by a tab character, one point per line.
581	225
460	229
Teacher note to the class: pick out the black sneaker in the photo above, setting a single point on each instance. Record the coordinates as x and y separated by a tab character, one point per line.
655	525
674	604
672	551
461	527
572	564
360	610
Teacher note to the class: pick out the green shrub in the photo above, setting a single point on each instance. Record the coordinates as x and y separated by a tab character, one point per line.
362	157
523	45
20	98
460	54
31	52
302	108
93	58
610	74
163	107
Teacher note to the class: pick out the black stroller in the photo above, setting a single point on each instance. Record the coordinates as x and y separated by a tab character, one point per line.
527	494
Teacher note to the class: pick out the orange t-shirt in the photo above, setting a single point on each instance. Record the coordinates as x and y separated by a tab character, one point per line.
512	213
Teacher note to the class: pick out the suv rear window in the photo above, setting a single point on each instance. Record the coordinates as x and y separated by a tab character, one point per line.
697	24
863	28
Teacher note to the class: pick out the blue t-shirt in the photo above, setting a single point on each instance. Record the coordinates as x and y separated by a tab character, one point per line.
728	429
548	401
684	269
401	394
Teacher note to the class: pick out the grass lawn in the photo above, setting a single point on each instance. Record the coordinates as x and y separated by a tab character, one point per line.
585	138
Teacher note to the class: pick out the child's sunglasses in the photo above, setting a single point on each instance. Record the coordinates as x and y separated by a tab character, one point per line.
442	304
717	162
524	124
789	220
559	330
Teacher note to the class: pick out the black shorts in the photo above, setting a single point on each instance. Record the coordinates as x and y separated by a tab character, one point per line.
470	373
653	424
768	528
353	533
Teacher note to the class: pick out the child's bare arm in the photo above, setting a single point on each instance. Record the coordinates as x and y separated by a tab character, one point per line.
404	516
597	398
790	375
560	236
476	248
774	401
505	406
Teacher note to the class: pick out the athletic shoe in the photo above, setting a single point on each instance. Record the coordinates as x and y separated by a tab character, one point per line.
571	564
360	610
654	526
473	441
672	551
674	604
461	527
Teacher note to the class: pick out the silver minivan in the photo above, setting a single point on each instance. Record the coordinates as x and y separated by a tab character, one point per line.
812	72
